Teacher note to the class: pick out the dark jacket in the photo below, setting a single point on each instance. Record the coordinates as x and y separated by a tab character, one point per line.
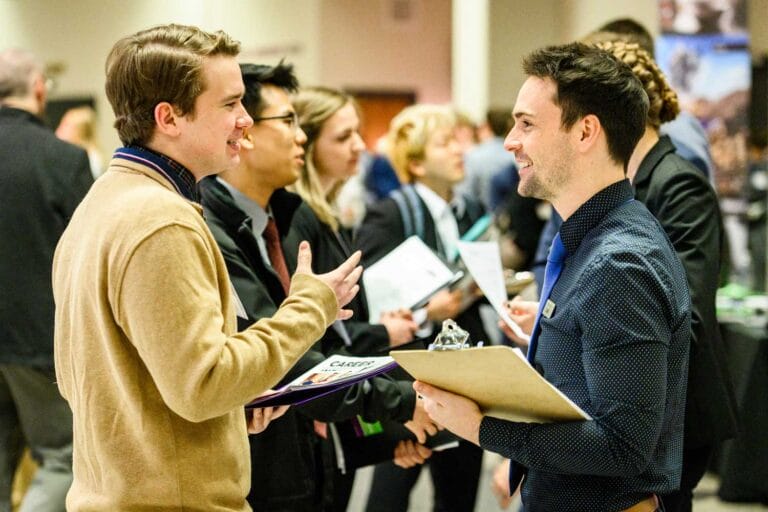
383	230
683	201
291	465
329	250
42	180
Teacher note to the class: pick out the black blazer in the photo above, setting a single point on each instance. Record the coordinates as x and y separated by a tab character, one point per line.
42	180
686	206
329	250
287	457
383	230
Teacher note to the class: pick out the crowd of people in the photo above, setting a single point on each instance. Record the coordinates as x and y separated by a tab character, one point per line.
210	261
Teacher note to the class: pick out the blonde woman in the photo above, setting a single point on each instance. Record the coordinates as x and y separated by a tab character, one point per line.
331	122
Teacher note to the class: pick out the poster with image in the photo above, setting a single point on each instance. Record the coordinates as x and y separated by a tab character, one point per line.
712	77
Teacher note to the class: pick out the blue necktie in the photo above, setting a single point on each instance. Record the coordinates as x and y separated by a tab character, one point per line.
554	267
552	271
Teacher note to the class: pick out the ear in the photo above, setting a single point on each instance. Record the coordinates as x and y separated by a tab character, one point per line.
416	168
587	131
247	142
40	92
167	119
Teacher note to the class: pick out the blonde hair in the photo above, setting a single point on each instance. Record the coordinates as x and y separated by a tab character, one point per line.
314	106
82	122
664	105
409	133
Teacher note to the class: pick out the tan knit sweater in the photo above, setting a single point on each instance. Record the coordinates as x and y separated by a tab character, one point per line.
147	354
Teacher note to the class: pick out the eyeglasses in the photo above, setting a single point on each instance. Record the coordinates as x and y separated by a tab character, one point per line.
291	119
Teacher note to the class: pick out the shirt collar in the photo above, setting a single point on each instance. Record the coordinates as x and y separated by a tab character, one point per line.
251	208
178	175
589	214
437	205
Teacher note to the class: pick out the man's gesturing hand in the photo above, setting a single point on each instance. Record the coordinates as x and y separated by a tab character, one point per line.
342	280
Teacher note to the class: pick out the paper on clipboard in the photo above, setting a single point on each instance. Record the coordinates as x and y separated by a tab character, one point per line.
499	379
483	261
404	278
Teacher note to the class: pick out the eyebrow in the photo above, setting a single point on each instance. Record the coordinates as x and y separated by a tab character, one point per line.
519	114
233	97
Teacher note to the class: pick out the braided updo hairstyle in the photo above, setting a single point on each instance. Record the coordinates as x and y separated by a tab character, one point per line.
664	105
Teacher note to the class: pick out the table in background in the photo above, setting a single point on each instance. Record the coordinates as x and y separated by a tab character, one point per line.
743	464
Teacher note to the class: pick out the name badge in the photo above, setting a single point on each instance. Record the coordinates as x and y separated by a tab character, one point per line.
549	309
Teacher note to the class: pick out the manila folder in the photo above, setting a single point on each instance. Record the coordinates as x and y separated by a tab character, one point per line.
499	379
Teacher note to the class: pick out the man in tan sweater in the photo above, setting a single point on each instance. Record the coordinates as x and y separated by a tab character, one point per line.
146	348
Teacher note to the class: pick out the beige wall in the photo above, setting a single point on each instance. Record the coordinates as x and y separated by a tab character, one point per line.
514	32
341	43
361	46
81	37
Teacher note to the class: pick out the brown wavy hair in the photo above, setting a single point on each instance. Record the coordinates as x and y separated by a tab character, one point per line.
664	105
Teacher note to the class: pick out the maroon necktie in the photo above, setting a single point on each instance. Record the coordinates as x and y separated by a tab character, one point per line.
275	252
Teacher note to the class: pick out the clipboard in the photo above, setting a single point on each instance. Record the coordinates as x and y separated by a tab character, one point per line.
498	378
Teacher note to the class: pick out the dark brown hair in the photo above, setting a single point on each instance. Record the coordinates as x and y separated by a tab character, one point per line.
592	81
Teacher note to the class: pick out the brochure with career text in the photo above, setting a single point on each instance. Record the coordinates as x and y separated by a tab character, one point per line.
335	373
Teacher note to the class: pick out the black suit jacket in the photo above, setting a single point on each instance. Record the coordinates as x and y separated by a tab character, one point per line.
42	180
329	250
683	201
383	230
288	458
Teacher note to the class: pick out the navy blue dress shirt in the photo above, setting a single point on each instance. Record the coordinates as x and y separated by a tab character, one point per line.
179	176
617	345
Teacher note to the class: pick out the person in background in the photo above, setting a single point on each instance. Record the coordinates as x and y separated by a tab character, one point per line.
146	344
614	311
756	187
685	130
249	211
330	120
78	126
465	131
425	152
488	158
42	180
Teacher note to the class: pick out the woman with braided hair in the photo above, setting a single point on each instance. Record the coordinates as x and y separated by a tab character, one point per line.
686	206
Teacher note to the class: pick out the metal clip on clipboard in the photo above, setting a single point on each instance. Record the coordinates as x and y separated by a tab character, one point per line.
450	337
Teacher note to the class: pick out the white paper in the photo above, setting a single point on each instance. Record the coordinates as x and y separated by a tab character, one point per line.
402	278
483	261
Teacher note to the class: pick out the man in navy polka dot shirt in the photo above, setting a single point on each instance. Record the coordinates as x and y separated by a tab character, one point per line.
614	334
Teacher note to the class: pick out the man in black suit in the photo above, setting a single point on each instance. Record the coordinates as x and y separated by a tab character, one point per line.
293	463
42	179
